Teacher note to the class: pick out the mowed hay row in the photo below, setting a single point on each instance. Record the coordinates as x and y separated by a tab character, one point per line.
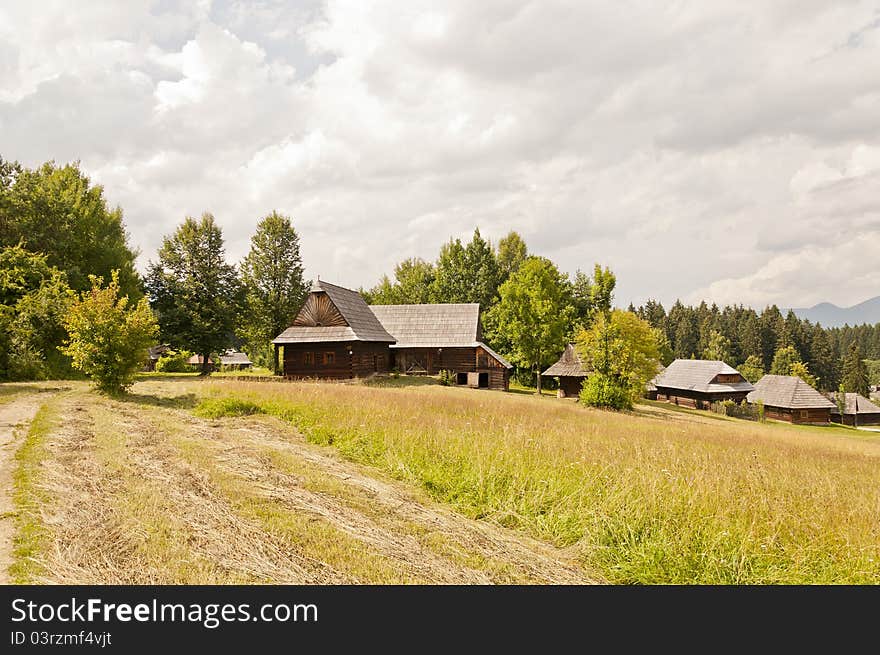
646	497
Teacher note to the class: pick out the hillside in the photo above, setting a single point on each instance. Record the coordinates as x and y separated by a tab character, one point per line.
225	481
830	315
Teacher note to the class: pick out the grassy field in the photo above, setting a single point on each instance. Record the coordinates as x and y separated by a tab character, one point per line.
222	480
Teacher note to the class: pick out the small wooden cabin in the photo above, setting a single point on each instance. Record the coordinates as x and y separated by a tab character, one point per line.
858	411
788	398
570	371
235	360
435	337
335	335
698	383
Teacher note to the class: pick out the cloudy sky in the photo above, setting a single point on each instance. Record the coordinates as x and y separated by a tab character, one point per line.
719	150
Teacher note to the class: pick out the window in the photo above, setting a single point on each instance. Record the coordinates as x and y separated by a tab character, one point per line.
805	413
329	359
308	359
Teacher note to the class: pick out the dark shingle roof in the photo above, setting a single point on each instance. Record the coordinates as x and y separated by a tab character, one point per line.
698	375
788	392
569	364
362	323
855	404
430	326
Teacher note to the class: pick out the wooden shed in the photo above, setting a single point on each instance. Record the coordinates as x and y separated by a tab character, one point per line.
335	335
858	411
788	398
698	383
431	338
570	371
235	360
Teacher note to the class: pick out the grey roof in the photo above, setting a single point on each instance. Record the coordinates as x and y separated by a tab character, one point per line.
651	385
431	326
855	404
234	357
155	352
362	323
698	375
569	364
788	392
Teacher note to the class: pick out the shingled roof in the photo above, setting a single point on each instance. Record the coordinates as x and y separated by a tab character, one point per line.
569	364
855	404
362	323
699	375
235	357
430	326
788	392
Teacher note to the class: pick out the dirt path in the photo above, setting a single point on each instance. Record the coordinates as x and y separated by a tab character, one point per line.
14	418
143	488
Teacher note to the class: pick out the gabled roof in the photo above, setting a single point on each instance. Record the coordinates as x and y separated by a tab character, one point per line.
855	404
430	326
569	364
362	323
500	359
788	392
699	375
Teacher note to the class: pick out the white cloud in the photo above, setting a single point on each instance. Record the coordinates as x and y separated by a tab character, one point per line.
700	149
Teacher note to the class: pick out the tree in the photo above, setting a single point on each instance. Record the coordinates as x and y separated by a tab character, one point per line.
855	373
512	252
34	298
802	371
664	348
822	360
466	274
108	339
533	314
56	210
783	360
195	293
752	370
718	347
412	286
272	275
621	350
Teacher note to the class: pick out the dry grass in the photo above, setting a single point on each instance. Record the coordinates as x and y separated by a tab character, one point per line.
142	492
650	497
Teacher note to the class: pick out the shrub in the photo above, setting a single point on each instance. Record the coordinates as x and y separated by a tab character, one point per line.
174	362
730	408
108	339
447	378
602	390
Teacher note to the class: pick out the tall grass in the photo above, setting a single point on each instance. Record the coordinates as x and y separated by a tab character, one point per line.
646	498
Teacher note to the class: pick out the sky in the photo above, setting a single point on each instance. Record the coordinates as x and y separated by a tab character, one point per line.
726	151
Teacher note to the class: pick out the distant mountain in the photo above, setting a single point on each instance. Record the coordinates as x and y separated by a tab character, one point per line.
830	315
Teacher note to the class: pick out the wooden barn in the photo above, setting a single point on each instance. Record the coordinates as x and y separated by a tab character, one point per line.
335	335
698	383
788	398
570	371
859	411
432	338
235	360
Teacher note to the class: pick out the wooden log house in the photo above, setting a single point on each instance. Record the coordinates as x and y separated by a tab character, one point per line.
858	410
788	398
570	371
697	383
432	338
335	336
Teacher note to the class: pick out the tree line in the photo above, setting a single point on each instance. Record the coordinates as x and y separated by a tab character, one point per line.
65	256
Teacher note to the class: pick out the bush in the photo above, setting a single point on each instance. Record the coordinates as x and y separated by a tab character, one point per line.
743	410
602	390
108	339
447	378
174	362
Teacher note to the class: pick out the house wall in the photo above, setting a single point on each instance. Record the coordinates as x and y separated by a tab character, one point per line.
695	399
457	360
798	416
864	419
569	386
313	360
